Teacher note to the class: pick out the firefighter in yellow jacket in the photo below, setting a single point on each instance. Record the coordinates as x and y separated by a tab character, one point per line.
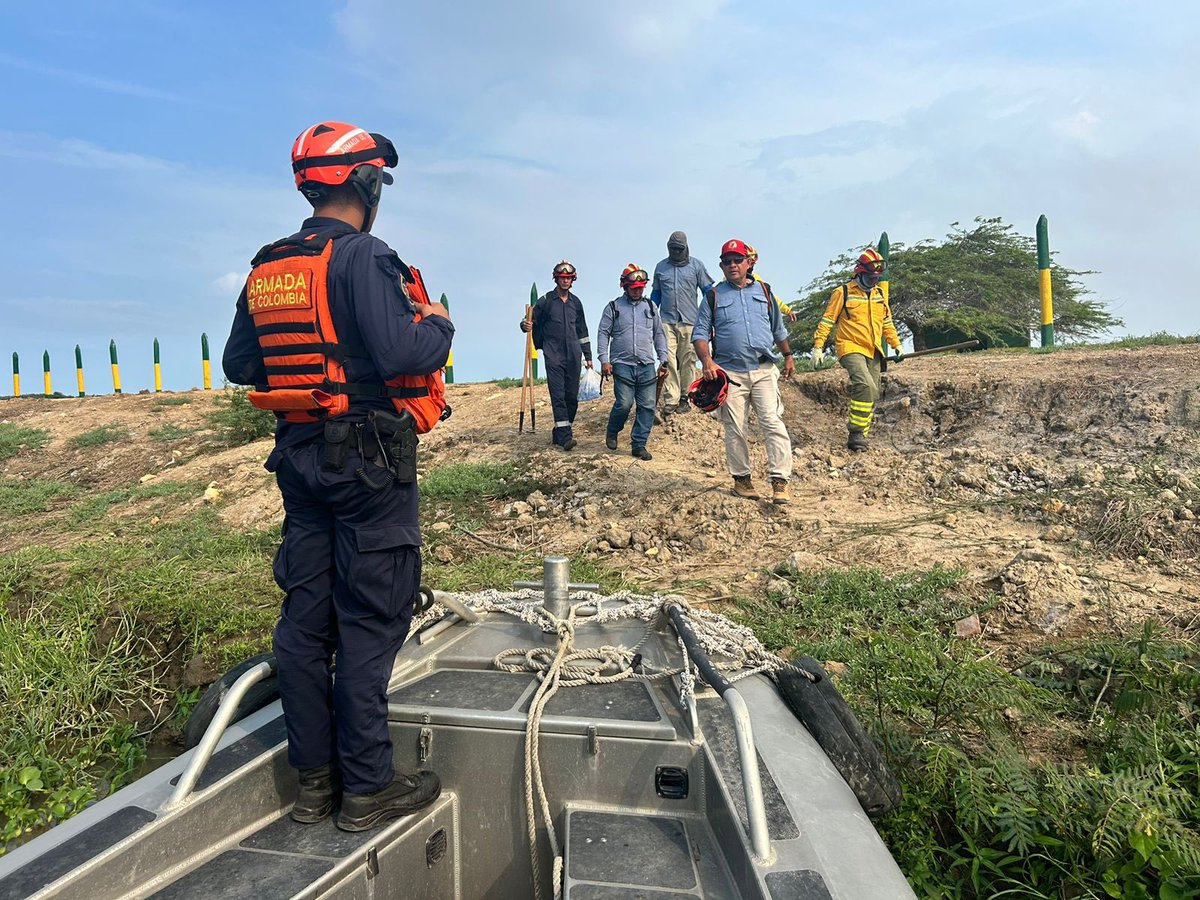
859	311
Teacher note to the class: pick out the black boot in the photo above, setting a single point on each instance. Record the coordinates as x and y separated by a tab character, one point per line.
314	796
858	442
406	794
641	453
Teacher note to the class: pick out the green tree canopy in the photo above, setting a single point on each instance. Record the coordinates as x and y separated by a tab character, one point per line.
980	281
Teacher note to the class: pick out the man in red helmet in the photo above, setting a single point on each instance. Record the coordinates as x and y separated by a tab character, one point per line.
737	330
560	331
860	312
350	560
632	344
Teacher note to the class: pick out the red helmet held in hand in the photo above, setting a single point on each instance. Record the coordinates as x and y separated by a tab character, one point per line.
707	395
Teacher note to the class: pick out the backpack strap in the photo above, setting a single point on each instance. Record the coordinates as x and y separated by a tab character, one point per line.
845	299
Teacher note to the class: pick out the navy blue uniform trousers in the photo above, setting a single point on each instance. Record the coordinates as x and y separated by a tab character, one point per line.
562	379
351	568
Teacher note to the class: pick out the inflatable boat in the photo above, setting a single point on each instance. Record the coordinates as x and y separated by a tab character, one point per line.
589	747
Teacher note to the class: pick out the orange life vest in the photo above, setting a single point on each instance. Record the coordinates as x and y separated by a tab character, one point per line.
287	295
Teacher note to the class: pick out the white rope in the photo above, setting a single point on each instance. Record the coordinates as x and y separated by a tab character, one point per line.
732	648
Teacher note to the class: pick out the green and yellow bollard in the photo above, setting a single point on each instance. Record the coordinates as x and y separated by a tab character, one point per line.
450	356
16	375
157	369
533	351
46	373
1043	252
116	369
884	249
79	369
205	365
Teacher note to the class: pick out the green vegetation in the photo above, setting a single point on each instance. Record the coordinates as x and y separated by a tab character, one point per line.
513	382
97	437
33	495
95	506
1072	773
476	481
980	281
14	439
182	400
87	635
1157	339
238	421
169	432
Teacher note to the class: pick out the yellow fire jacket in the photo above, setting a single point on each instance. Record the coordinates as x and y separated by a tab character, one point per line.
783	307
863	323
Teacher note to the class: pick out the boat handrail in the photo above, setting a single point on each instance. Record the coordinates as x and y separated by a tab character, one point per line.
216	728
756	810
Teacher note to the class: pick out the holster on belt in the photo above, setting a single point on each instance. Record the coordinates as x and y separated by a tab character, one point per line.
337	445
397	434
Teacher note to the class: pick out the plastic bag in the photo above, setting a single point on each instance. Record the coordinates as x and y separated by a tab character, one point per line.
589	385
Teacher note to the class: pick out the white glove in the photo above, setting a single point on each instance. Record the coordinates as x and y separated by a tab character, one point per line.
816	356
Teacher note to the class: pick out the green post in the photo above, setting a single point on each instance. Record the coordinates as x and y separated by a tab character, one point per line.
533	299
1043	251
884	248
450	357
157	369
116	369
16	375
205	364
79	369
46	372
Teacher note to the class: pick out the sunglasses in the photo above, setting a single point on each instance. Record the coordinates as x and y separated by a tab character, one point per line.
732	260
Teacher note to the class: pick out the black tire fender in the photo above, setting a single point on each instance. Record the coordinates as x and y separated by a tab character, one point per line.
829	719
260	694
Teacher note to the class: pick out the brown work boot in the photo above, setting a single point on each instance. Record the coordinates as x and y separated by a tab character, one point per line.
314	795
744	487
406	794
779	492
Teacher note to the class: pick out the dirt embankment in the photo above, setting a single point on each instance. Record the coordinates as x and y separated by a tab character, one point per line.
1064	484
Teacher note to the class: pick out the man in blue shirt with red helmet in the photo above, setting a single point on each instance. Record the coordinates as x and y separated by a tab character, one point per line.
350	560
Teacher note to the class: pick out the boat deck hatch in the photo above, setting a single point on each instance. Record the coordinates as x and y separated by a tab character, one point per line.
615	855
464	689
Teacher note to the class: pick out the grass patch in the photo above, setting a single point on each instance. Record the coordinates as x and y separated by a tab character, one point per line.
1073	774
513	382
171	401
169	432
87	634
476	481
33	495
94	507
14	439
237	421
98	437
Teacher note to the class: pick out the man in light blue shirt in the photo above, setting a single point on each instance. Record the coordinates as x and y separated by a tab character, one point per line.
737	329
633	349
677	280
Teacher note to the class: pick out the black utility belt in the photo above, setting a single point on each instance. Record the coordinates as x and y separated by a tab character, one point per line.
387	443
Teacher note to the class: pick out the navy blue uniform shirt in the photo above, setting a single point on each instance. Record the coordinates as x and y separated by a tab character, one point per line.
369	310
560	324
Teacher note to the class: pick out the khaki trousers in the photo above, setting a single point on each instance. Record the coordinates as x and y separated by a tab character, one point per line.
681	364
864	390
757	390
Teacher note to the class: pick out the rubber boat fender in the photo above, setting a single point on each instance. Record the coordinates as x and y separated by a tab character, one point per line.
261	694
829	719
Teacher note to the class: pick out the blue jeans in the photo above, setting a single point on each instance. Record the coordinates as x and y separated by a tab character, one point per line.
634	384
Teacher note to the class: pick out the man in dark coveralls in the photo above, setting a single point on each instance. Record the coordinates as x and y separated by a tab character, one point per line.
350	561
560	331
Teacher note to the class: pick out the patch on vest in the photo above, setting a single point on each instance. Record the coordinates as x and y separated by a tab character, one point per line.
280	290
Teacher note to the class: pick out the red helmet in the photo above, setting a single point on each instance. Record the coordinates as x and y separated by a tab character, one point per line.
751	253
734	246
870	263
634	276
332	153
709	395
565	269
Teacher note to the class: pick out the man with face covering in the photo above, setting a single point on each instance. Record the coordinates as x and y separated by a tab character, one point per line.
678	281
859	311
633	350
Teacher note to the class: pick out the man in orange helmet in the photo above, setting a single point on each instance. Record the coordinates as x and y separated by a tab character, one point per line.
859	310
327	323
560	331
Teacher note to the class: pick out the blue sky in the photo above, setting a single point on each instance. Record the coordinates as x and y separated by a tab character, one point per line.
146	147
